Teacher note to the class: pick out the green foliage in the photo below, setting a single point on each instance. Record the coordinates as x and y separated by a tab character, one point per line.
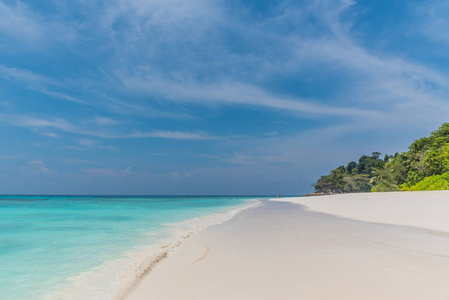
367	163
431	183
391	175
356	183
429	156
436	161
355	177
424	167
351	166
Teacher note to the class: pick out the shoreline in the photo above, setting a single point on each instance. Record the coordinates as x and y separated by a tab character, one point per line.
134	264
282	250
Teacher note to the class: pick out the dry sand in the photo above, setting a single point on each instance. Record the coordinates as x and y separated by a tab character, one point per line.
428	209
281	250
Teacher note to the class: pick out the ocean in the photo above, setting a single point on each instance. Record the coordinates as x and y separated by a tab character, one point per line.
92	247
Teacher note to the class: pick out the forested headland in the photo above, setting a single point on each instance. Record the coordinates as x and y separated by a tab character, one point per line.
424	167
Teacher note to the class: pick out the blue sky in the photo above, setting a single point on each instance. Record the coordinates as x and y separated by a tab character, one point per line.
212	97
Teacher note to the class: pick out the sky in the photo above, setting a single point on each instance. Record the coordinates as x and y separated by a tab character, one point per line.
146	97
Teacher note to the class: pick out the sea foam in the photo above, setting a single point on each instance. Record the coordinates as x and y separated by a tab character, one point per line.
112	280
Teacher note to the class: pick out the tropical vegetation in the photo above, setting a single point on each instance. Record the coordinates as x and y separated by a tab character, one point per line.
424	167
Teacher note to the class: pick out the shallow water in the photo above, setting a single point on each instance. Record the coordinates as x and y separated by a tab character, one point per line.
49	244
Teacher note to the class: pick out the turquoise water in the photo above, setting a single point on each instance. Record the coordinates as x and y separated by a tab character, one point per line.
48	243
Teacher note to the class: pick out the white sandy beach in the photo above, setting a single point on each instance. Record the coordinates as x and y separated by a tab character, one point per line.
356	246
429	209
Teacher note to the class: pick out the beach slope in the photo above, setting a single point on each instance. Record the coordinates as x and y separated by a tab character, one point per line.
424	209
283	250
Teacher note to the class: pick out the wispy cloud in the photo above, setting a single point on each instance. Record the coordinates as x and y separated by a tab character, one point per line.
173	135
86	142
105	121
406	86
328	43
51	134
19	22
288	87
238	94
431	20
39	167
28	77
36	82
63	125
80	161
109	172
8	157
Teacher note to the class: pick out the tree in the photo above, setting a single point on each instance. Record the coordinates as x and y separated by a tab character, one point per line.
351	166
424	166
375	155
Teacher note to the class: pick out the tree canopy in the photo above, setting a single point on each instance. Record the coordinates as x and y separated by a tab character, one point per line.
424	167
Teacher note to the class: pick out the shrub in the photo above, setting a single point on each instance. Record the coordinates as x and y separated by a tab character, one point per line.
431	183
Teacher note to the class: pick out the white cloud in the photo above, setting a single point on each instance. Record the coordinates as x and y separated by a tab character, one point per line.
174	135
86	142
272	133
19	22
23	25
238	94
65	126
80	161
26	76
36	82
103	172
51	134
180	175
109	172
39	167
432	20
165	59
143	32
109	148
105	121
403	86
